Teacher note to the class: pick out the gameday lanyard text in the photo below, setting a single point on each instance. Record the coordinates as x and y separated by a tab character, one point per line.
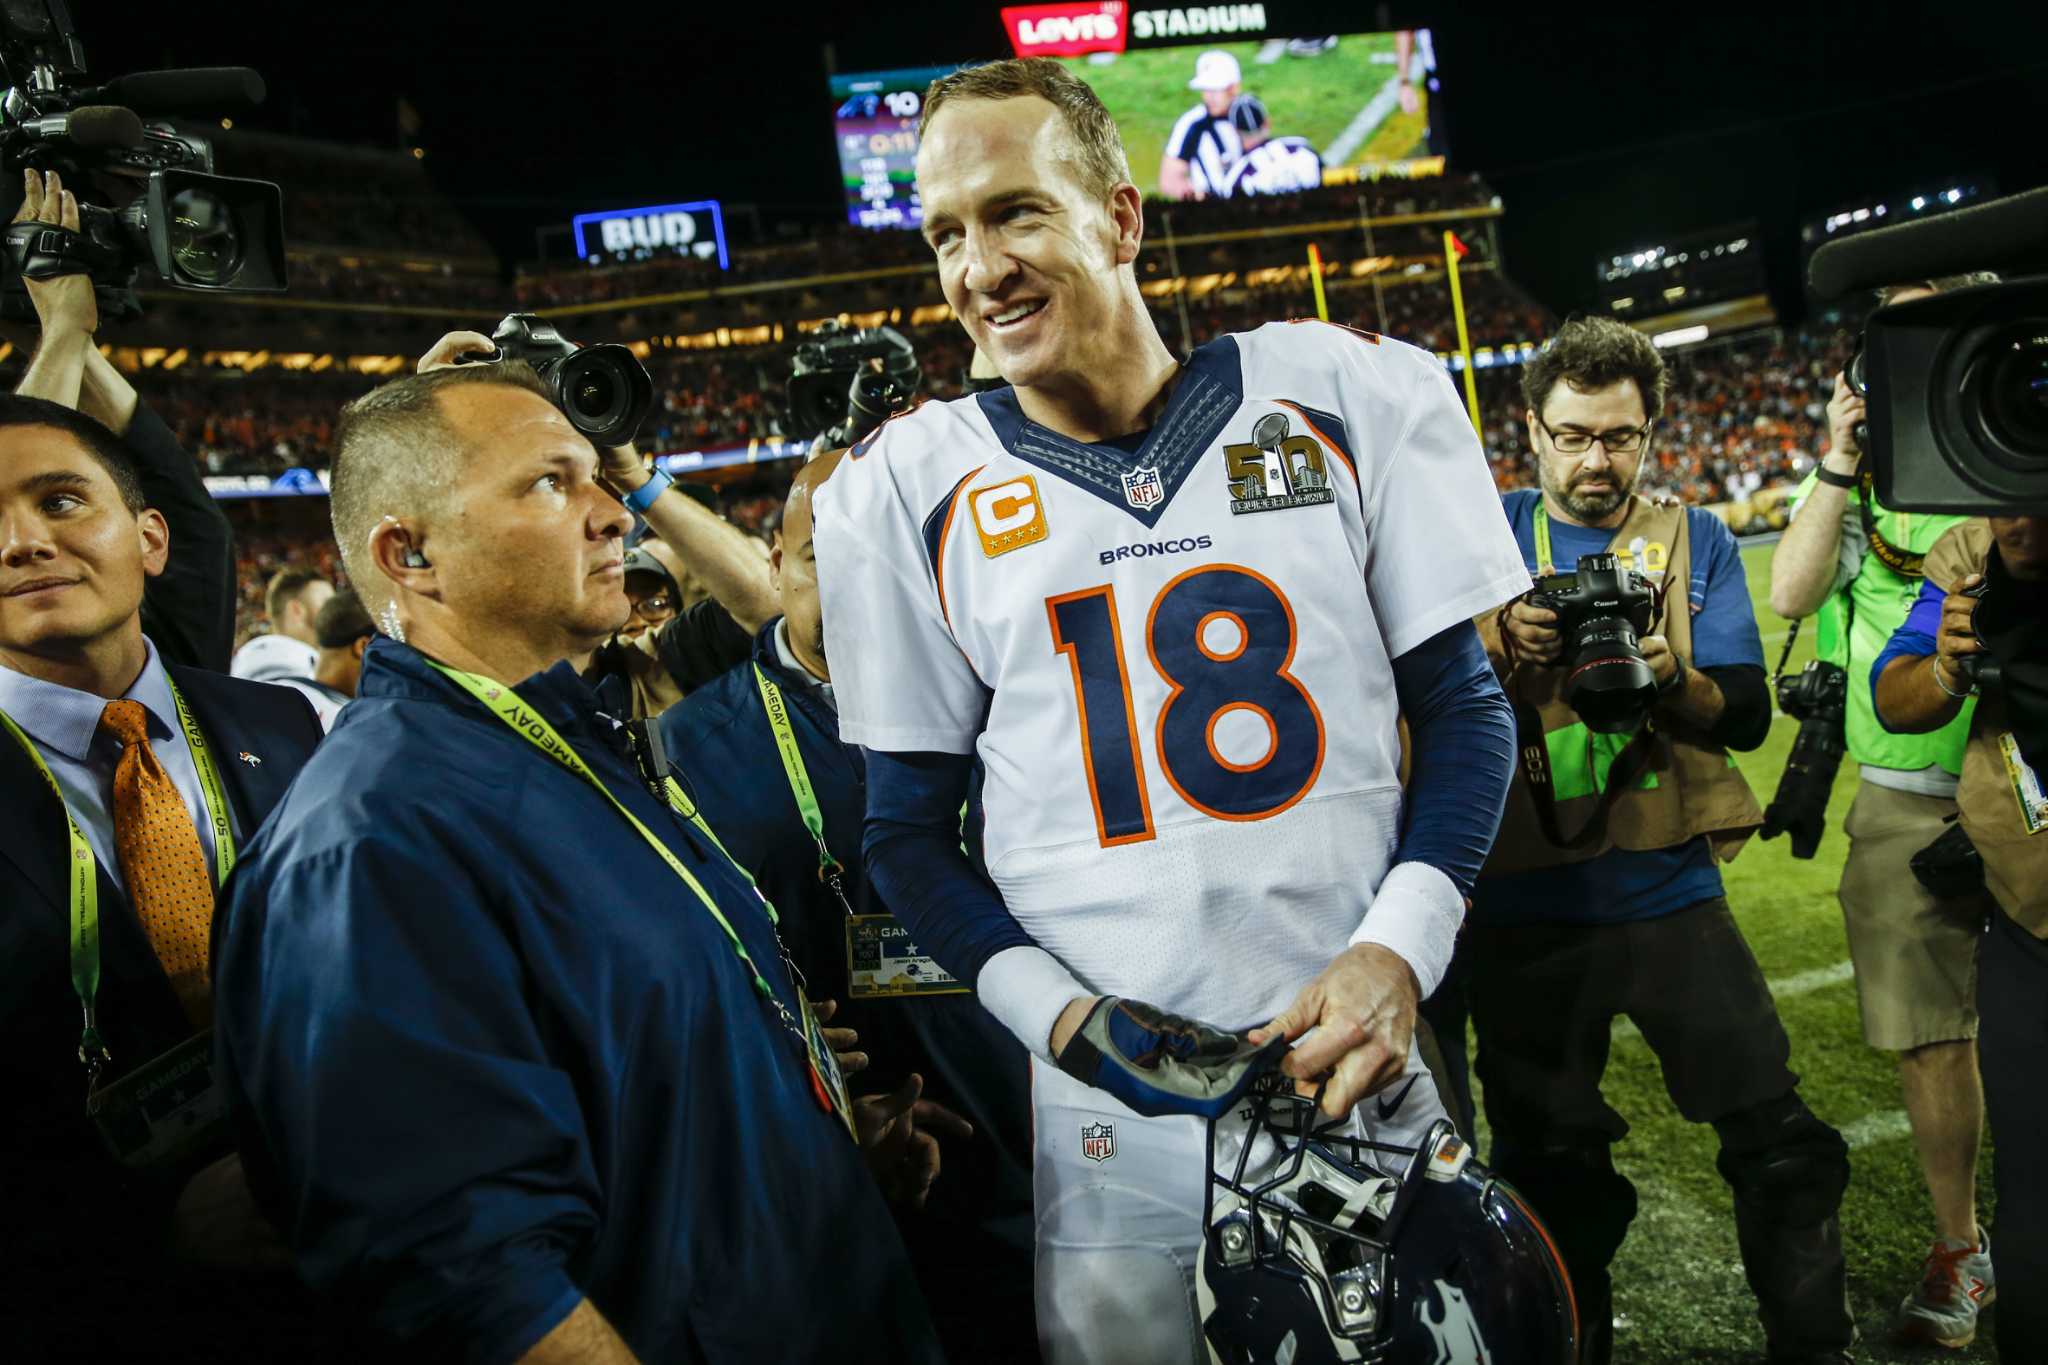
83	869
501	701
829	870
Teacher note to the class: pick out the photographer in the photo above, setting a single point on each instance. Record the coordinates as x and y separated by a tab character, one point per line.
189	610
1980	601
1603	894
1857	564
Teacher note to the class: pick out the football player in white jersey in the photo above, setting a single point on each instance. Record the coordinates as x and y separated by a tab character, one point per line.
1172	609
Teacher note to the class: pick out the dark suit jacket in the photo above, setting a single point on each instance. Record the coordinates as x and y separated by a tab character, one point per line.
83	1224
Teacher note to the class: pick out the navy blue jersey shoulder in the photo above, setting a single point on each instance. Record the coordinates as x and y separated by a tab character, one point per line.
592	1100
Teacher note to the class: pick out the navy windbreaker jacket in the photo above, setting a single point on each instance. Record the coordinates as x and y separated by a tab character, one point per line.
487	1055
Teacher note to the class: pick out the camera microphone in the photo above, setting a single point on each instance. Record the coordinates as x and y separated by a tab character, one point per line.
91	127
190	90
2002	232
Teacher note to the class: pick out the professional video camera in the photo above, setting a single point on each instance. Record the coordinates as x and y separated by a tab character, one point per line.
1601	611
604	391
147	195
1817	697
843	384
1957	386
1957	383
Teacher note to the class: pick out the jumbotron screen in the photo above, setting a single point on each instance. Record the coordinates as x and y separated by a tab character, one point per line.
875	118
1230	120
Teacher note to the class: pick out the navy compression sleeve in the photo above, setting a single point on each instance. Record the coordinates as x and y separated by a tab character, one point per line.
1461	735
911	847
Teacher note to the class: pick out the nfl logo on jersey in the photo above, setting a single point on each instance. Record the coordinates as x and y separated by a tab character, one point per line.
1098	1141
1142	487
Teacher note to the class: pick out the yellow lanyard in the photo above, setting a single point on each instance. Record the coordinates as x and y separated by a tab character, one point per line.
829	869
827	1084
83	870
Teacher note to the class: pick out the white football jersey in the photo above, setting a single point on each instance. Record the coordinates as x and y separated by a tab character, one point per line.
1173	663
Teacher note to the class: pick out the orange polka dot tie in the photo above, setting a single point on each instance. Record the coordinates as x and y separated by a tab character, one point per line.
162	859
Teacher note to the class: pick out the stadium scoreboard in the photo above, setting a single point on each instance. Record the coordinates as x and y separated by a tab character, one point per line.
1213	102
875	120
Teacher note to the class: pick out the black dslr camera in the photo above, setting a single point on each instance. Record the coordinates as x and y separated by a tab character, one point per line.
604	390
843	384
1602	610
147	195
1818	698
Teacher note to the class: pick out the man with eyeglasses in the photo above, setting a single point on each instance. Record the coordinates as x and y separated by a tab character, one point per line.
1603	896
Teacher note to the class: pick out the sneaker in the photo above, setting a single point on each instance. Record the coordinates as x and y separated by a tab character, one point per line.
1955	1286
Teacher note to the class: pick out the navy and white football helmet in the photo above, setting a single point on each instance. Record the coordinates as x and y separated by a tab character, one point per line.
1320	1246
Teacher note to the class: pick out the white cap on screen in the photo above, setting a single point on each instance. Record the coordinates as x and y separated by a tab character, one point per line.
1215	71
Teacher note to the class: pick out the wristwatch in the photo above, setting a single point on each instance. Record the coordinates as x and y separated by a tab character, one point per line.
1826	475
640	499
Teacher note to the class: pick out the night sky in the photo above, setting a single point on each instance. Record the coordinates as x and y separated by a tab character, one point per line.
1600	129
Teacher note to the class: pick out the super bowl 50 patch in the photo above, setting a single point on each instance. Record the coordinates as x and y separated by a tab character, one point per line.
1278	469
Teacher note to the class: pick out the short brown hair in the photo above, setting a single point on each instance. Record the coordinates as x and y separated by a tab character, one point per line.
394	451
104	447
284	589
1102	164
1592	353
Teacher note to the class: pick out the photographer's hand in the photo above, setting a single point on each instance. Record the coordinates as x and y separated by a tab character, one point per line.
1845	410
66	308
1957	638
451	347
1531	633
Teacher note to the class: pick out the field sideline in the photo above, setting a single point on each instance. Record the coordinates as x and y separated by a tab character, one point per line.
1679	1290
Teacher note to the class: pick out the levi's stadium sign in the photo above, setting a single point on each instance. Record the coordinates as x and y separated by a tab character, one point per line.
1065	30
1107	25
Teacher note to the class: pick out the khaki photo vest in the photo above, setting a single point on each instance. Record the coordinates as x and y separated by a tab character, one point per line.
1994	778
1689	787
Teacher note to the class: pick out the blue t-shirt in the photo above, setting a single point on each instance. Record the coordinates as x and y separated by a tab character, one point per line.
1622	884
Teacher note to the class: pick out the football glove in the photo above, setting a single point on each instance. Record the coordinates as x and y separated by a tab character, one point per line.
1159	1063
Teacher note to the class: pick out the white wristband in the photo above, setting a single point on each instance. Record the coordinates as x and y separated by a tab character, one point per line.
1416	914
1026	988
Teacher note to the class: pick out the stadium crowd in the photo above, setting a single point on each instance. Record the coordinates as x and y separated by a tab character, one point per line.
398	1046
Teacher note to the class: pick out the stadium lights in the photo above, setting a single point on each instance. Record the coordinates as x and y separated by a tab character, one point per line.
1919	201
1680	336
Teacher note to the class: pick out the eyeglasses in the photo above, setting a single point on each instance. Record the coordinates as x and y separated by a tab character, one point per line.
1620	441
657	607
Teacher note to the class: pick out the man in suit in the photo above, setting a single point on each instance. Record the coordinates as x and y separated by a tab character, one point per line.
126	785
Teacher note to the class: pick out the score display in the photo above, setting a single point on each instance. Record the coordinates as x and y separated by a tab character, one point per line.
875	121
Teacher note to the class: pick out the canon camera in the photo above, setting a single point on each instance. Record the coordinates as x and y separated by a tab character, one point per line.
1602	611
1817	697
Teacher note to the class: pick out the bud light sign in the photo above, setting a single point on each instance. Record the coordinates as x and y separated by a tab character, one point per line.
642	234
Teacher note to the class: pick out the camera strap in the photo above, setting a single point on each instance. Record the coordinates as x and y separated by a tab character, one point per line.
1532	742
1904	563
43	251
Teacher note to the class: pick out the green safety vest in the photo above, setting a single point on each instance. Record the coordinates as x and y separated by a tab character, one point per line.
1854	625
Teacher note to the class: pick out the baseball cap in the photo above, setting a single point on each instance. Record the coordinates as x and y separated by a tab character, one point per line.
1215	71
639	560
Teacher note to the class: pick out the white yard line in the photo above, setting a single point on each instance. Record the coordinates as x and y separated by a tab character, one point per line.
1363	122
1871	1129
1270	51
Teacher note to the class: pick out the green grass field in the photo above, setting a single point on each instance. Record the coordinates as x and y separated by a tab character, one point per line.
1311	97
1679	1290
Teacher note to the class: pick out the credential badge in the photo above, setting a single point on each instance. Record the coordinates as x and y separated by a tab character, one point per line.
1098	1141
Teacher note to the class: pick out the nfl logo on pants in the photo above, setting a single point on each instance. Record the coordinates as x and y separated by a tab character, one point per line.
1098	1141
